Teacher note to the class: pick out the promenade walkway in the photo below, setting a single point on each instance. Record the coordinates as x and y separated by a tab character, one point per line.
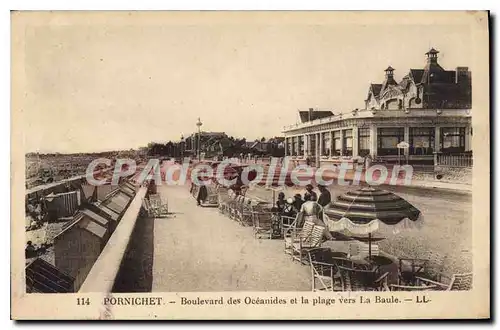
198	249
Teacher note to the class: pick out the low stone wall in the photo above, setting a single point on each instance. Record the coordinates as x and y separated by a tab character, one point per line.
447	174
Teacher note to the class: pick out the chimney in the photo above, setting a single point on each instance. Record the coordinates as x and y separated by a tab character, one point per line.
389	72
462	75
310	113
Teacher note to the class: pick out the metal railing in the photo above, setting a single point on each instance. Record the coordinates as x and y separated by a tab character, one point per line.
454	160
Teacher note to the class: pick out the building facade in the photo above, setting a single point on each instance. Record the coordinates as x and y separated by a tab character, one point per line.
429	109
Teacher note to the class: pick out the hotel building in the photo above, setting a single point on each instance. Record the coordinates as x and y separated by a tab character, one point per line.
429	109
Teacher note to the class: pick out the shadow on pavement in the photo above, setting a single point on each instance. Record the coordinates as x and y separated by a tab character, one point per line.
136	271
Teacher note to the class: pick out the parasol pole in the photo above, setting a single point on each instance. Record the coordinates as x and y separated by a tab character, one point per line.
370	246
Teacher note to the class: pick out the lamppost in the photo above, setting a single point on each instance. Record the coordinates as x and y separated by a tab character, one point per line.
182	148
199	123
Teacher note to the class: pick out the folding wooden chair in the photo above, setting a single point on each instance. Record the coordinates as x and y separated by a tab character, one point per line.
294	234
458	282
300	248
324	273
156	203
262	224
151	211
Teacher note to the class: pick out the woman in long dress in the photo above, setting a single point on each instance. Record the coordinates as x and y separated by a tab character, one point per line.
313	212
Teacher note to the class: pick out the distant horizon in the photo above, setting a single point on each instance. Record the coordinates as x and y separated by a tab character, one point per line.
137	148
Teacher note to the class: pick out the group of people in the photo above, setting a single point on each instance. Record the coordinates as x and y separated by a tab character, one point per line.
310	207
293	205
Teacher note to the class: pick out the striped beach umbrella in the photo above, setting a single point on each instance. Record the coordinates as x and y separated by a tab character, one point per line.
369	210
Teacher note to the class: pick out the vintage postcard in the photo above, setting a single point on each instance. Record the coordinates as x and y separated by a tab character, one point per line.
250	165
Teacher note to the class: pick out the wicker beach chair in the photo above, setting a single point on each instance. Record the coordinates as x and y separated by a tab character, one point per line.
212	195
151	210
222	203
355	279
147	207
244	214
431	267
286	223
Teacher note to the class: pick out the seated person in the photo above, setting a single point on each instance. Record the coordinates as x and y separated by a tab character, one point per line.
281	202
297	202
30	250
325	197
289	209
310	194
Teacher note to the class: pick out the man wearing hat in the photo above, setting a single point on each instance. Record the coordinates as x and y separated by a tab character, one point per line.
310	194
324	196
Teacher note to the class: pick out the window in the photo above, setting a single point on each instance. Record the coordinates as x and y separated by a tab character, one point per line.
421	140
312	145
295	147
289	146
347	142
301	145
452	139
364	141
326	143
337	146
387	140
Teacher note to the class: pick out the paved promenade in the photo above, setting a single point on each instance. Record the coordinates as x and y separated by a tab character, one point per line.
198	249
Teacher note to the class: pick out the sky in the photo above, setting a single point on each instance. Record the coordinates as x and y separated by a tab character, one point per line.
100	86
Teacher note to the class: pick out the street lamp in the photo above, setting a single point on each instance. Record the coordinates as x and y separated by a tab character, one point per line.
182	148
199	123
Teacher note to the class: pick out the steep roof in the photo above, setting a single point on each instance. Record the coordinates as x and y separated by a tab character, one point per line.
96	217
118	202
93	227
315	114
87	220
376	88
42	277
416	75
438	75
389	81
